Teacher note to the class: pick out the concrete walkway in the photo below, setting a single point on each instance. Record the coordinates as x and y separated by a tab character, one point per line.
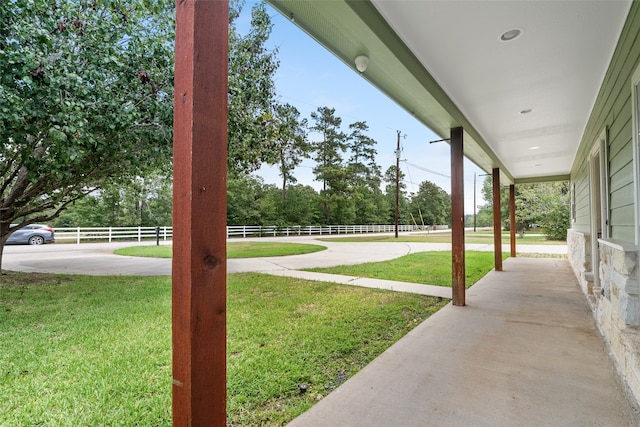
523	352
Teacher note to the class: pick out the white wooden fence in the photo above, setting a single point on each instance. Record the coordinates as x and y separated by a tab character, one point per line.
109	234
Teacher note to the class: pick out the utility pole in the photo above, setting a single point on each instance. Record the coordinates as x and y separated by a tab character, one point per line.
474	202
397	182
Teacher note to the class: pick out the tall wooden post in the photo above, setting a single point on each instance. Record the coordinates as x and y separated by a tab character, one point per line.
457	217
512	218
199	213
497	224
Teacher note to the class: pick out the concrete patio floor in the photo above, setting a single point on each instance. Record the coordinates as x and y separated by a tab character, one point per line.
523	352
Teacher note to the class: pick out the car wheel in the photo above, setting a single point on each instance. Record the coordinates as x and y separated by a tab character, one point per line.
36	240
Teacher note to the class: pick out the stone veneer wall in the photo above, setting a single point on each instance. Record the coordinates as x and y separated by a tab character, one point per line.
616	304
579	254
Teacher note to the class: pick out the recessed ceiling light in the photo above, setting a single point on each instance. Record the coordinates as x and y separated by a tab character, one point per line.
526	111
507	36
534	148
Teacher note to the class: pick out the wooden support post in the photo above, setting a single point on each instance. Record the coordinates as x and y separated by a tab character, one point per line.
457	217
199	213
512	218
497	223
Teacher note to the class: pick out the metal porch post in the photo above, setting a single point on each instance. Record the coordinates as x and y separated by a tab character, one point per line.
199	213
497	224
512	218
457	217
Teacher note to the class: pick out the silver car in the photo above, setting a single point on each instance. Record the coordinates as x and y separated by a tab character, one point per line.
32	234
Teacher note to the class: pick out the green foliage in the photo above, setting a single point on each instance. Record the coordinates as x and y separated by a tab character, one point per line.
290	141
86	97
543	204
243	200
251	93
389	206
432	204
140	202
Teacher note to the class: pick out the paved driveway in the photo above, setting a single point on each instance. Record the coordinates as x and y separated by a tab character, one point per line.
98	258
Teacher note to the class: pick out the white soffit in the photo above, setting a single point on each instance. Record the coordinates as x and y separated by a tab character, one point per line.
554	68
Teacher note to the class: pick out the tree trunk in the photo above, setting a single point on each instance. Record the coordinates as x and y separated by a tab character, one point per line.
4	235
3	240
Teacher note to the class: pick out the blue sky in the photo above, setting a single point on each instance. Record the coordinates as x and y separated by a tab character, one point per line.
310	77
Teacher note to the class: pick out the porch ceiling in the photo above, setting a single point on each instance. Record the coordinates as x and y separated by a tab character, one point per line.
444	62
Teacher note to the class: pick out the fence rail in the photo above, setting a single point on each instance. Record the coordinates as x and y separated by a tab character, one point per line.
164	233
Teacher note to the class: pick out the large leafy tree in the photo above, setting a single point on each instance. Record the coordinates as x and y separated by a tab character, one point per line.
544	204
252	67
86	95
432	204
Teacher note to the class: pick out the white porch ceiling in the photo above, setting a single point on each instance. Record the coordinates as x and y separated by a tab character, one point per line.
444	62
554	68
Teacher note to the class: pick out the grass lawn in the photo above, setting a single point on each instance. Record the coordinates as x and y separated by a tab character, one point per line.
89	351
234	250
429	268
445	237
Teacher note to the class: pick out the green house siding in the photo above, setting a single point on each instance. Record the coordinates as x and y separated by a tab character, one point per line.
613	111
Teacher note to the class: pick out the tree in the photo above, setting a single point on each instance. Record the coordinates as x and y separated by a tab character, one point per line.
251	93
432	203
303	206
485	213
545	204
365	175
140	202
329	168
291	144
244	194
390	197
87	95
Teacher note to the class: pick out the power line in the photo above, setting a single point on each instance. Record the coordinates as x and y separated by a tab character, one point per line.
425	169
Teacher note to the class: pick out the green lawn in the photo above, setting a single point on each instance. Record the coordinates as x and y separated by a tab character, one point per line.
243	249
445	237
90	351
429	268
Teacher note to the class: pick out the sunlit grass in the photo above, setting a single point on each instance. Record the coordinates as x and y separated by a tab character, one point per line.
481	237
429	268
96	351
245	249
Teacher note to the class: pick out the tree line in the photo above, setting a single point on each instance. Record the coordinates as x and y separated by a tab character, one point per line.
251	201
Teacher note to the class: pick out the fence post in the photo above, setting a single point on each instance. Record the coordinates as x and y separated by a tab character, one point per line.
109	234
139	234
78	236
244	231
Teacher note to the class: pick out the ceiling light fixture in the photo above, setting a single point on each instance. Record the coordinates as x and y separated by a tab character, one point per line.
362	62
507	36
534	148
